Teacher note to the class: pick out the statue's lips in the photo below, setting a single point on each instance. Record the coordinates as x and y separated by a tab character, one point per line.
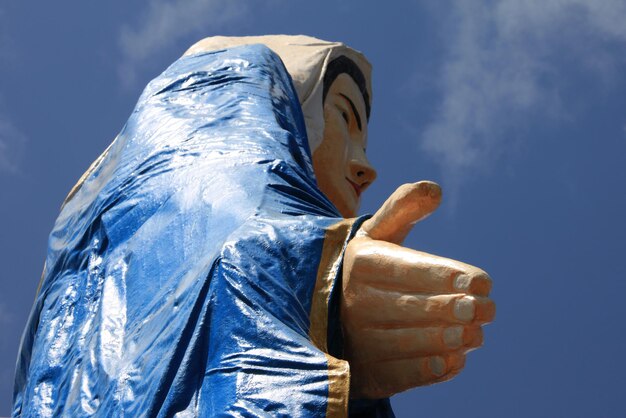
358	189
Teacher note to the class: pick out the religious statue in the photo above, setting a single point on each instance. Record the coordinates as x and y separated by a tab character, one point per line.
211	263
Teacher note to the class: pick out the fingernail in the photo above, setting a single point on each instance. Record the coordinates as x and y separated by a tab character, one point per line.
476	284
462	282
453	337
464	308
435	191
437	366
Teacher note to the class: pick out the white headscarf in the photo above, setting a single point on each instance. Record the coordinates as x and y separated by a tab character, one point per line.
306	59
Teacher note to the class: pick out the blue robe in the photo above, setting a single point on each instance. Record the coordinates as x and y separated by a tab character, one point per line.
196	270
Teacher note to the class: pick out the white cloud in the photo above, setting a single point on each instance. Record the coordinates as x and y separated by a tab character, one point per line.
165	23
12	140
501	67
12	144
5	316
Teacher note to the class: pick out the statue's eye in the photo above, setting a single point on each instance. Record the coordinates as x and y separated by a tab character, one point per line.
344	115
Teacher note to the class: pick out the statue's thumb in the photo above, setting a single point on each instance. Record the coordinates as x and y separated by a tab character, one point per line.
409	204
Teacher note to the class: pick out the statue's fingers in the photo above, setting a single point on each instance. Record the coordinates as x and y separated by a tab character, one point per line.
373	307
383	379
389	266
474	337
385	344
407	205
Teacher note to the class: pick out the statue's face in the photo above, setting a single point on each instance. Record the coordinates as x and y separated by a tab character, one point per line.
341	167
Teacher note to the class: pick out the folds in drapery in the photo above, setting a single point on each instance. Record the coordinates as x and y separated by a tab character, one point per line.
193	269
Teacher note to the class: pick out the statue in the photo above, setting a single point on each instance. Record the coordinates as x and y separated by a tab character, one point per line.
210	262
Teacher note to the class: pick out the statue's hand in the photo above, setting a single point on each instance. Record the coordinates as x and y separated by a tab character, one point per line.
409	318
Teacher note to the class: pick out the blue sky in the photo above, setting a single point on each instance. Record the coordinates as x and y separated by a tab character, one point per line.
518	109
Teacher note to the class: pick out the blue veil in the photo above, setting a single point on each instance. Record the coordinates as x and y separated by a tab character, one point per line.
196	269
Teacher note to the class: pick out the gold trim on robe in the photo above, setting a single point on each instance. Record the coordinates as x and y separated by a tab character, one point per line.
335	241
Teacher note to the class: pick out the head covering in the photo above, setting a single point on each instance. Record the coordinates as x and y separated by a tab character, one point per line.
196	270
306	59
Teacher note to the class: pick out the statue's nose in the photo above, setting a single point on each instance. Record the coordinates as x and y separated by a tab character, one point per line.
362	172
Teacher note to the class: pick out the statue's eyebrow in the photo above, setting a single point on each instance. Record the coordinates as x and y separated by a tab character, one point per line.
356	113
